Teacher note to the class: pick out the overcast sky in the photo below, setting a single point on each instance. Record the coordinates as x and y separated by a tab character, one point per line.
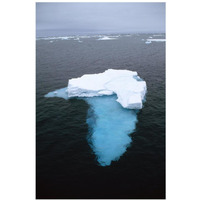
99	17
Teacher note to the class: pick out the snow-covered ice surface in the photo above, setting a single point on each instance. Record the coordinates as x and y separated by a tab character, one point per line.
110	123
127	85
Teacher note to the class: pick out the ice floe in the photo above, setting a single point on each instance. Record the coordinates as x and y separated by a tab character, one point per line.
148	42
156	40
107	38
124	83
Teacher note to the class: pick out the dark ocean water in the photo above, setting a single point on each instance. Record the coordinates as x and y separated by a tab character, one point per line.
66	166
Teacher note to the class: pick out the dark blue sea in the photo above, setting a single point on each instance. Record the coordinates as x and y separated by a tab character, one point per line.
66	165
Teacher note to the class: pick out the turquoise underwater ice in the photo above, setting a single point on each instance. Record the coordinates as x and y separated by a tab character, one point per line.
110	126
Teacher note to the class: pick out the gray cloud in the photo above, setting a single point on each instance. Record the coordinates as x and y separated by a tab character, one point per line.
100	17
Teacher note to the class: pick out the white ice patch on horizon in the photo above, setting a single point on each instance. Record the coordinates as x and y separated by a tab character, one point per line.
110	125
85	36
157	35
156	40
107	38
59	38
78	37
148	42
56	38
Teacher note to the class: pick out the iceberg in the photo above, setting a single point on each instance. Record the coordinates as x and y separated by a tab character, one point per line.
127	85
114	96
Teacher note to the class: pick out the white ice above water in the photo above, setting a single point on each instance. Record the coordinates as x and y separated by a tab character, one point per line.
107	38
156	40
150	40
127	85
108	94
78	37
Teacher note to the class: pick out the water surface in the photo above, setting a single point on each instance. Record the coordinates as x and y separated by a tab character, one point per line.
67	167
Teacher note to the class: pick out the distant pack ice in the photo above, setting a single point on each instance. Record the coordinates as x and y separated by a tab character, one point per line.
127	85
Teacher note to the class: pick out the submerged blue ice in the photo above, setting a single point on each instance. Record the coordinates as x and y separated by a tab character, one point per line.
110	126
62	93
